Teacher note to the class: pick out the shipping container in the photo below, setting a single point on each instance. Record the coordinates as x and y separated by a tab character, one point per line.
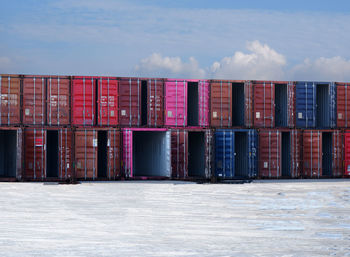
315	104
107	102
97	153
58	101
83	101
10	100
347	153
10	153
47	153
186	103
231	103
141	102
146	153
34	100
236	153
343	105
191	153
322	153
280	153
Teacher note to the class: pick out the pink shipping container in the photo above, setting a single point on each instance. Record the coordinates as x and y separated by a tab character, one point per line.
10	100
146	153
186	103
347	153
107	101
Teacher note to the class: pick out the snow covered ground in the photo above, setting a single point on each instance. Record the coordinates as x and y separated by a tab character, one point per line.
264	218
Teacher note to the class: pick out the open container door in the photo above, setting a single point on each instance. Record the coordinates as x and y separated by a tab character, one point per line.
220	103
264	104
113	154
270	147
312	153
155	102
305	104
176	103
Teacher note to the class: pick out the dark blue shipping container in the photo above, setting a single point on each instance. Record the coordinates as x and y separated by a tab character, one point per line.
315	104
236	153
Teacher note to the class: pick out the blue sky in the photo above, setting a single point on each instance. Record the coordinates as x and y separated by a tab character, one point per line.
299	40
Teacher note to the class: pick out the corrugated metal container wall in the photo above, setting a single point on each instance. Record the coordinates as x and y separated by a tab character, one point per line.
236	153
97	153
347	153
141	102
58	101
264	104
315	104
187	103
322	153
83	101
10	100
48	153
231	103
146	153
34	101
191	152
343	105
107	101
10	152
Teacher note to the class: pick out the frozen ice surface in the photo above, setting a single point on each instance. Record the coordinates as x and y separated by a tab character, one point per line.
264	218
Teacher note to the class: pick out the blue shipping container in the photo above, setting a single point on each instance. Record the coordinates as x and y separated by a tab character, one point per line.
236	153
315	104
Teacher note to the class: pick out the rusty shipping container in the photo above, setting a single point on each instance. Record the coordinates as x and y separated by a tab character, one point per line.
343	105
10	100
191	153
107	102
274	104
322	153
34	100
231	103
47	154
10	153
141	102
97	153
280	153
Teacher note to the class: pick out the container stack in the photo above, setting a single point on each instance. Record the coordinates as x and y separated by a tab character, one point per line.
59	128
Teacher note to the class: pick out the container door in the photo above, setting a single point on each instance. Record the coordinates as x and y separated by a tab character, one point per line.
347	153
291	104
343	105
10	92
312	153
107	102
35	154
127	153
203	92
179	154
305	104
253	154
248	106
264	105
58	105
270	154
220	104
34	101
295	143
208	153
83	101
86	154
155	103
19	167
337	154
113	145
224	154
333	105
129	102
65	155
176	103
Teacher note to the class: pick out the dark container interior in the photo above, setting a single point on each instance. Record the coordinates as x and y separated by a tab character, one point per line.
326	153
8	153
52	154
102	154
238	103
241	154
323	104
144	103
286	154
192	104
196	153
281	105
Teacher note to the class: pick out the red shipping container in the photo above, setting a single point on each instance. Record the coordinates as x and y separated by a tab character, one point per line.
58	101
141	102
107	101
347	153
48	153
83	101
191	153
34	101
10	103
97	153
280	153
343	105
322	153
231	103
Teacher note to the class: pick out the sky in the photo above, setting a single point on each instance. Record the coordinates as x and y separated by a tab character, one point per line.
251	39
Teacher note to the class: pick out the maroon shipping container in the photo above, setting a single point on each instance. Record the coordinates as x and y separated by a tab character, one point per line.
343	105
10	100
34	100
141	102
191	153
280	153
58	101
107	101
48	153
10	153
97	153
231	103
322	153
274	104
83	101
